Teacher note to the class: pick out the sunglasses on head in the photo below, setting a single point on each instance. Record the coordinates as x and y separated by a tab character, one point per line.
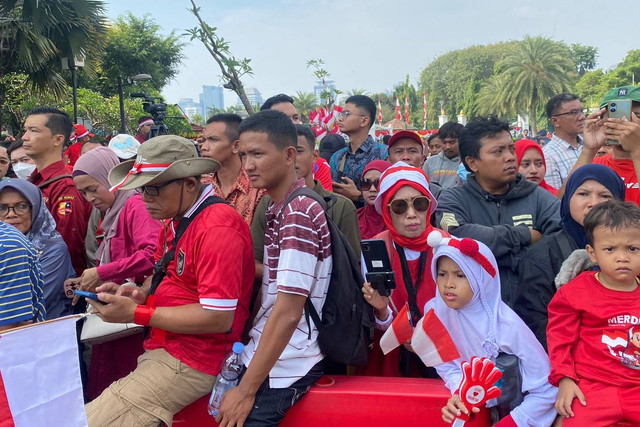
401	206
366	184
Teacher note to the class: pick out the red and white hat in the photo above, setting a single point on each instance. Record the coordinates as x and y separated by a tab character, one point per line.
82	131
402	171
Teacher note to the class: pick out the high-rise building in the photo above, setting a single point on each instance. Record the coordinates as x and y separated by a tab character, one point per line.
190	107
254	95
319	88
211	97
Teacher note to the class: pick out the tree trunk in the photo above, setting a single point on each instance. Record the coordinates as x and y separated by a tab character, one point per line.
533	112
243	98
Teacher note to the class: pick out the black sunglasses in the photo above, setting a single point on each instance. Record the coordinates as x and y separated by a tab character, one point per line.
401	206
366	184
154	190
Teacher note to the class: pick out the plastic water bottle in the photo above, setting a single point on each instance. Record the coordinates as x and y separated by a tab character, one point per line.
227	379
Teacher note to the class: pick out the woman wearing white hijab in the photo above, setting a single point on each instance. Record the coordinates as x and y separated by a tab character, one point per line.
482	325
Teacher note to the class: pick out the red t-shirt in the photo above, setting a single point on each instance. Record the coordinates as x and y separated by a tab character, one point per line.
594	333
322	172
213	266
73	152
625	169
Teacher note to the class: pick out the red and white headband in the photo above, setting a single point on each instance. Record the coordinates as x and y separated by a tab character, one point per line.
466	246
145	122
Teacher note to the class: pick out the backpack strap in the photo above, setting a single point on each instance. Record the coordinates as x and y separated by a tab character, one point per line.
52	180
564	244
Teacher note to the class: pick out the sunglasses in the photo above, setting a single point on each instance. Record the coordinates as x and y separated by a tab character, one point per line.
366	184
418	203
154	190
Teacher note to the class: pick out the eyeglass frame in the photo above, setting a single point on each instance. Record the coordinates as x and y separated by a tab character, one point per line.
412	204
10	208
344	114
370	183
575	113
143	189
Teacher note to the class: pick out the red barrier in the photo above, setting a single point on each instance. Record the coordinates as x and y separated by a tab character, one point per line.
356	401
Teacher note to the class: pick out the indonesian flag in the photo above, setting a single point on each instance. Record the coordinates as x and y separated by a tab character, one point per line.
406	109
424	108
399	332
432	342
40	376
398	113
379	112
614	338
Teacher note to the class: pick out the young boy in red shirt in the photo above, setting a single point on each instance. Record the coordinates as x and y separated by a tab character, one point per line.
593	325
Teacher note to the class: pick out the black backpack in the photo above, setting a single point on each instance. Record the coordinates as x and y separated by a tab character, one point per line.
345	332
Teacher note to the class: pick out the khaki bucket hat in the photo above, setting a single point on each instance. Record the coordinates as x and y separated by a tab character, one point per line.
161	159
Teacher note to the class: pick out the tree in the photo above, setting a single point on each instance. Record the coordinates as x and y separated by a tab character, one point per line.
35	35
533	71
584	57
305	102
322	75
198	119
353	92
591	87
136	46
232	69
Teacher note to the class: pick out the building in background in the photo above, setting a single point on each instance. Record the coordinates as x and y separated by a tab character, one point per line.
211	97
254	96
319	88
190	107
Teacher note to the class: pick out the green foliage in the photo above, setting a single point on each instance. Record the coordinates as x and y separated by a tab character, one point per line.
584	57
198	119
592	87
305	102
322	75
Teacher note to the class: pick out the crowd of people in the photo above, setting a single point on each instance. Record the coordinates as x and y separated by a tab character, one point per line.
520	250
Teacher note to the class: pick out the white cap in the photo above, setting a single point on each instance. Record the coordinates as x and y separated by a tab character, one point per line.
125	146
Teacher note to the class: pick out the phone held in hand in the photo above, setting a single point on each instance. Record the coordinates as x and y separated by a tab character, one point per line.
89	295
379	271
618	109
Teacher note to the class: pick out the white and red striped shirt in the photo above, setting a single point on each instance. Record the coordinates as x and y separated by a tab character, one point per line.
297	260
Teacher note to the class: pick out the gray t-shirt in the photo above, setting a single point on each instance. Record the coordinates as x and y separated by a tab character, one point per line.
442	170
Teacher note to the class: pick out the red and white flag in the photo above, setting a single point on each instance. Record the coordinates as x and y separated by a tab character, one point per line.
406	109
399	332
614	338
379	112
398	113
432	342
40	376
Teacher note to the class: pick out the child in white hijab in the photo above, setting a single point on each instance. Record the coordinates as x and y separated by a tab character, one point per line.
469	305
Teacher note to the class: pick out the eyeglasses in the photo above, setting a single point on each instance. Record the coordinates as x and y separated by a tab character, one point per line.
366	184
401	206
347	113
154	190
20	209
576	113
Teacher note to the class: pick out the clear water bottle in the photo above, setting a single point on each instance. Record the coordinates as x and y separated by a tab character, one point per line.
227	379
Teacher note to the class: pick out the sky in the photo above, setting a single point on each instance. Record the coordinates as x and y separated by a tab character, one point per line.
372	44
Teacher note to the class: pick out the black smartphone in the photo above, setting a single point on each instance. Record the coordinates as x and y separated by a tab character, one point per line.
618	108
379	271
89	295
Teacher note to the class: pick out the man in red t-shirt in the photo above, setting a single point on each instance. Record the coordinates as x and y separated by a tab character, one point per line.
199	307
45	132
74	151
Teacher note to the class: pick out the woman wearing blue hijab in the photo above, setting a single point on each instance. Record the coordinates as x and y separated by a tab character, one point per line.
28	213
586	187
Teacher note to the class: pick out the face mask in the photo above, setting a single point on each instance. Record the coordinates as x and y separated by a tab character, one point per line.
23	170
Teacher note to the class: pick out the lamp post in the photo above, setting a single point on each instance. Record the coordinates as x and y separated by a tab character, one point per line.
130	81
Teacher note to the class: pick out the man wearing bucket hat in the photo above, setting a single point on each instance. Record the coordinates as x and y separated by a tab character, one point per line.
625	157
196	303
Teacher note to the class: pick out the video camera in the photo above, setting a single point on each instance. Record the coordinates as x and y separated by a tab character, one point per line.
157	110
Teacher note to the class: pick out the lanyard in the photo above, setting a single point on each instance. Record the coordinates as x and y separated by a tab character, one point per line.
412	290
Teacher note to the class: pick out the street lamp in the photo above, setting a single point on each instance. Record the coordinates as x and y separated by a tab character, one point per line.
130	81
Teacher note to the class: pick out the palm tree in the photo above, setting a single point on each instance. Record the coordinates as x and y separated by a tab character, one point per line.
536	69
353	92
36	34
305	102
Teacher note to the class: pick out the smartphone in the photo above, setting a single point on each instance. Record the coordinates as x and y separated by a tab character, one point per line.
89	295
379	271
618	109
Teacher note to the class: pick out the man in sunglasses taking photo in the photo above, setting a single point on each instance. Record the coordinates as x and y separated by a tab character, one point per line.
197	302
497	205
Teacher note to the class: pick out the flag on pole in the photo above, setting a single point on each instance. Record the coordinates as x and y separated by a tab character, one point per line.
399	332
432	342
406	109
379	112
398	113
424	108
40	384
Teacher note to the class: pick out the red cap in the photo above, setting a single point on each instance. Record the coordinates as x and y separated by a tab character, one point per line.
82	131
404	134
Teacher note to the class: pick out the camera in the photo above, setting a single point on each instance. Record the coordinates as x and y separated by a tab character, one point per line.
157	110
613	107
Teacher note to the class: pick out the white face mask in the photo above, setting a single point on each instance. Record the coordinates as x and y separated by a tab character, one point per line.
23	170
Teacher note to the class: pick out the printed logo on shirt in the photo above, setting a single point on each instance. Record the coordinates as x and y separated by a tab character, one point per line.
448	220
180	264
622	345
525	219
64	208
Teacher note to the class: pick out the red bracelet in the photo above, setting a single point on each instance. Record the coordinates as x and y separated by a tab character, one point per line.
143	314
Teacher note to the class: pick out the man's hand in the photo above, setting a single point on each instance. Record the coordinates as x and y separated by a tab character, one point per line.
535	236
118	308
593	136
626	132
347	188
567	391
235	408
126	290
90	280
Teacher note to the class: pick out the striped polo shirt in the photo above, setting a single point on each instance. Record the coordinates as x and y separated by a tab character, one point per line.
297	260
21	283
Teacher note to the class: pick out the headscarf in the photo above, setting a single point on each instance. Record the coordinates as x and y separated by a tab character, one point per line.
600	173
97	163
486	325
394	178
369	220
42	233
526	144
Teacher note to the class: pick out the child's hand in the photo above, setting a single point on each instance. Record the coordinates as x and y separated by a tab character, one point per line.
567	391
372	296
455	408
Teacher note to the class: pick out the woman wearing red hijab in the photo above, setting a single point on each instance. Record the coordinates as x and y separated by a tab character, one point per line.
531	163
406	206
369	220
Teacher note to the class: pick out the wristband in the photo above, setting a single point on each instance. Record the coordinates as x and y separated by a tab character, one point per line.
143	314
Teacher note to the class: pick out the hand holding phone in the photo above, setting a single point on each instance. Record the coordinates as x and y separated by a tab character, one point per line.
618	109
89	295
379	271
